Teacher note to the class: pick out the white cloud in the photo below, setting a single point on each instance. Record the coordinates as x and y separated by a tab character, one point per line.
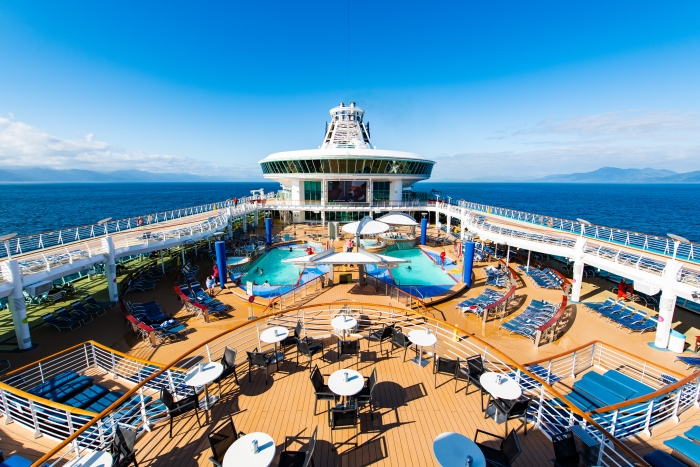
24	145
625	123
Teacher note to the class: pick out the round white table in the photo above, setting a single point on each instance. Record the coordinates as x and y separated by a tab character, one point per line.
273	336
241	452
91	459
499	386
201	375
422	339
354	384
451	450
343	323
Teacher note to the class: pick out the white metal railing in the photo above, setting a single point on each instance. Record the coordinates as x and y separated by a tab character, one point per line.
634	418
58	421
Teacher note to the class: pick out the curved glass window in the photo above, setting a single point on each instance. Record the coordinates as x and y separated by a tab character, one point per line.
348	166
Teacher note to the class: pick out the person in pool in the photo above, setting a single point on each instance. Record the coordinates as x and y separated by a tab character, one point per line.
267	284
256	269
290	249
408	267
261	271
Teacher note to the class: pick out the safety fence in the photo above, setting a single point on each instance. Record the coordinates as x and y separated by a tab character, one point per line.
297	294
670	393
90	360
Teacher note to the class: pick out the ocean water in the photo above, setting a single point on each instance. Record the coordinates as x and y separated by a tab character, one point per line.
654	209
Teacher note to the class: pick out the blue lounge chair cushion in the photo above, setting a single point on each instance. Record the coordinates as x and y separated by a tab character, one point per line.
69	389
16	461
105	401
685	447
662	459
693	433
582	401
613	386
87	397
692	361
597	392
640	388
53	383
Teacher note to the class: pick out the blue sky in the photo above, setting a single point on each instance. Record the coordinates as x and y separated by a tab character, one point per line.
509	89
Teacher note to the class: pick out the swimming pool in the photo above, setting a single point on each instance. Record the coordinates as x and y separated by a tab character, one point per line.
424	278
281	277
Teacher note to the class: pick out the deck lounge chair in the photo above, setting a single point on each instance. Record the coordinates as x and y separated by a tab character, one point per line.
60	324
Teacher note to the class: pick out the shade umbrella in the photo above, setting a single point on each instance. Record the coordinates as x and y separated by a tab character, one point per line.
367	226
398	218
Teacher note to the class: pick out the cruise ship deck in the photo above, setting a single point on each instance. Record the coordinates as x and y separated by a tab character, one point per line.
106	317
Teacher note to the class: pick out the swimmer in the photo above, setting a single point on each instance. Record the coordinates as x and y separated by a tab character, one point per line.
261	271
408	267
266	283
290	249
256	269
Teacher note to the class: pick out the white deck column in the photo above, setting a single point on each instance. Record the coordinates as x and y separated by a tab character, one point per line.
245	216
667	304
257	214
396	190
111	269
323	218
17	305
578	269
462	224
448	229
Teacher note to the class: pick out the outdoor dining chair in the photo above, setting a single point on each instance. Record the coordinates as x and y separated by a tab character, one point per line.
299	458
220	439
180	407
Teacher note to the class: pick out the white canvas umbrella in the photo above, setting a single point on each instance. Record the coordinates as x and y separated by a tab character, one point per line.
398	218
367	226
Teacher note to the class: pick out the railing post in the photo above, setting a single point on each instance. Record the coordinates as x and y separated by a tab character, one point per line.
208	352
5	407
676	404
697	393
573	366
144	414
613	422
644	369
35	421
647	422
41	372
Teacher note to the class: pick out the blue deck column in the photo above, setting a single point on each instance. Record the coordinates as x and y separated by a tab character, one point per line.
468	262
220	248
111	269
18	307
268	230
423	230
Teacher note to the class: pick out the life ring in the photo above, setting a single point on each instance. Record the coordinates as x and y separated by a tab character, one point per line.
139	221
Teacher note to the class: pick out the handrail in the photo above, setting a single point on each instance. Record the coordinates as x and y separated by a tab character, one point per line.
501	300
400	290
491	349
553	320
659	392
291	291
589	344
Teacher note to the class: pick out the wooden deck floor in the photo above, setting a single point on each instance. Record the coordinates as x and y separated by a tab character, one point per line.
409	414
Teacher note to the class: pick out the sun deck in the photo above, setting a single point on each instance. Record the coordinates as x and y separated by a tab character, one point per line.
410	412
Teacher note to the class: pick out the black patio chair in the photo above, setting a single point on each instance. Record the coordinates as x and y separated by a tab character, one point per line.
123	452
228	360
446	366
475	368
259	360
364	397
508	451
399	340
299	458
180	407
220	439
345	418
321	390
379	335
305	347
565	452
292	338
511	409
349	348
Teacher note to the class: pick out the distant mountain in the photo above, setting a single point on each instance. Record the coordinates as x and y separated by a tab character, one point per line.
615	175
43	174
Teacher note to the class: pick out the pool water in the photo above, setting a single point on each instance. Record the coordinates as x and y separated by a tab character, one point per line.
424	271
275	272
